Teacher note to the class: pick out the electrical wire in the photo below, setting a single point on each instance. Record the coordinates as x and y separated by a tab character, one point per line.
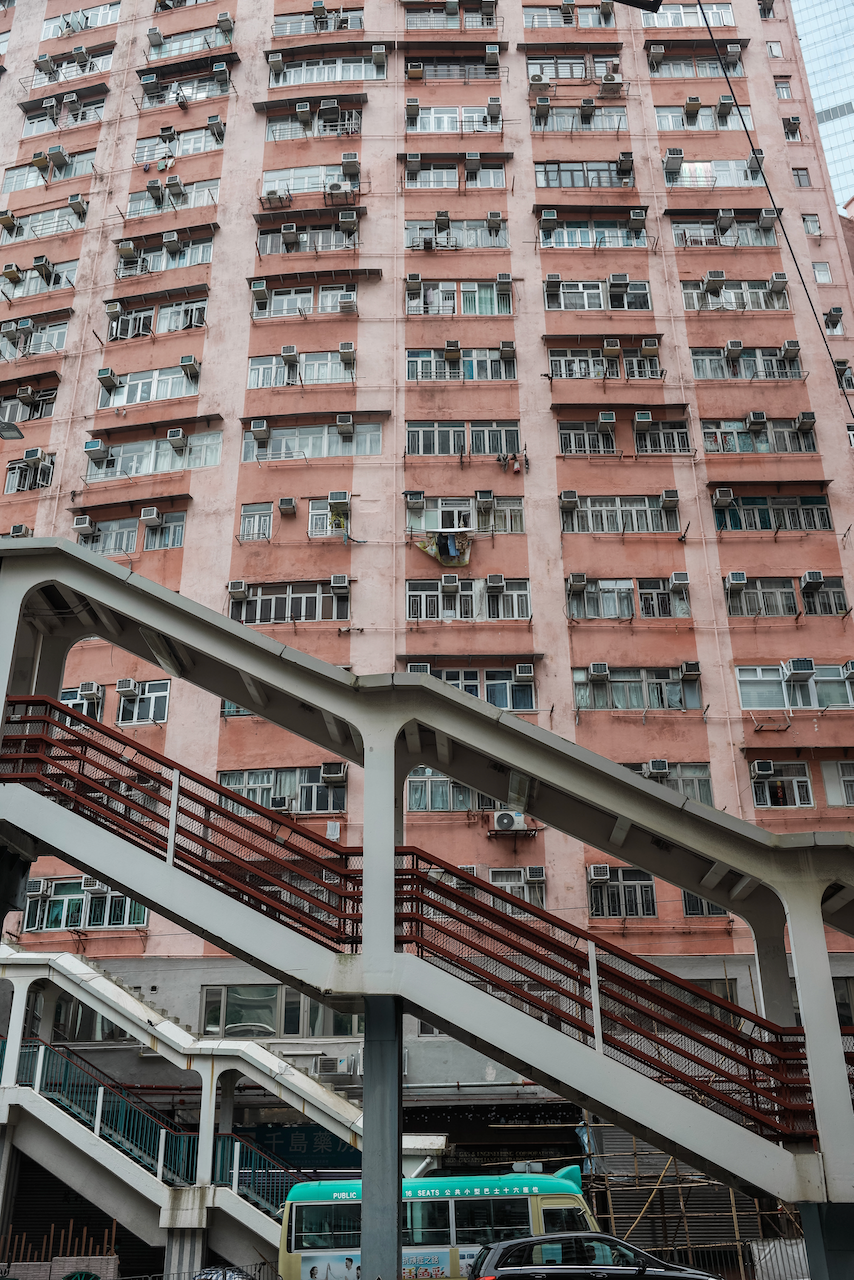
760	160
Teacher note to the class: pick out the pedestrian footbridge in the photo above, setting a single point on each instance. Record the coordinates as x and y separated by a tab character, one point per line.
752	1099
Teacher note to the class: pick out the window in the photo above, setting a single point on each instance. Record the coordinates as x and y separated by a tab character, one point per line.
755	514
620	515
636	688
778	436
601	233
186	42
101	15
151	704
502	689
112	538
324	523
326	70
191	142
703	235
584	437
70	906
476	299
40	340
593	295
579	173
764	597
775	49
563	119
692	780
433	175
734	295
11	409
792	132
299	300
687	68
706	119
132	324
471	233
838	782
46	222
298	24
628	892
692	905
453	120
457	69
784	89
754	363
426	602
291	602
714	173
168	535
662	437
602	598
153	457
429	791
500	438
568	68
513	881
828	601
309	240
476	364
141	204
250	1012
788	788
317	177
801	177
659	600
175	316
313	442
505	516
21	477
83	704
690	15
71	69
190	254
256	521
582	362
32	282
289	128
436	439
181	91
303	786
767	688
152	384
821	273
314	366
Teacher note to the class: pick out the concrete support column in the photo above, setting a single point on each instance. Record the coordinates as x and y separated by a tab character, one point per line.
50	995
227	1083
829	1235
382	1169
768	926
379	845
825	1054
50	655
9	1164
15	1034
207	1125
185	1251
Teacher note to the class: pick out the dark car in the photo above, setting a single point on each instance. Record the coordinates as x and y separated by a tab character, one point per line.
581	1255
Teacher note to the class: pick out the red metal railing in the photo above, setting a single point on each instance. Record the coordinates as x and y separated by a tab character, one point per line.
268	862
717	1053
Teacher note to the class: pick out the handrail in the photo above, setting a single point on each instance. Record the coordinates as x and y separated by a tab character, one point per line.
253	1173
76	1059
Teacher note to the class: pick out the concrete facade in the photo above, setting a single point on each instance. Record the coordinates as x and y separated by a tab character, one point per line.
707	732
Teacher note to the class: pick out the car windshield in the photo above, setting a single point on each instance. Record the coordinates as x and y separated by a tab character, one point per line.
574	1251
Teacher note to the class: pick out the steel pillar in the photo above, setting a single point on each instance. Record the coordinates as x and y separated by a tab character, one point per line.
829	1235
185	1251
382	1168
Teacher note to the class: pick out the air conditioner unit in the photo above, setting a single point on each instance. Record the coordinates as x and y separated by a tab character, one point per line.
692	105
548	219
637	219
96	449
347	352
690	670
26	395
107	379
216	128
237	589
151	516
82	524
805	421
757	420
670	499
290	235
779	281
20	531
649	346
798	670
491	55
176	437
290	355
506	820
40	160
344	423
791	123
276	63
154	187
833	317
128	688
607	418
553	282
9	330
348	219
643	417
346	302
611	84
219	71
114	309
44	267
713	281
127	251
507	348
8	220
171	243
90	689
175	186
679	578
45	64
95	886
339	500
673	158
848	670
598	872
538	81
493	220
598	671
525	672
812	580
450	582
150	81
761	768
472	161
33	457
736	580
767	218
504	282
732	56
655	54
841	364
224	22
790	349
415	71
287	506
610	344
378	56
191	366
333	771
414	499
723	498
413	108
587	108
155	37
725	218
656	769
618	282
484	499
350	164
625	161
283	804
542	107
452	349
568	500
494	584
756	160
726	102
339	584
576	584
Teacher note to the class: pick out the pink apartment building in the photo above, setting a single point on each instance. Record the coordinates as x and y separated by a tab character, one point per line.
459	338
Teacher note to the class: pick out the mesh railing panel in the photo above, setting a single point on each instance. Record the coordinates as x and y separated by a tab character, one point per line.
261	1179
